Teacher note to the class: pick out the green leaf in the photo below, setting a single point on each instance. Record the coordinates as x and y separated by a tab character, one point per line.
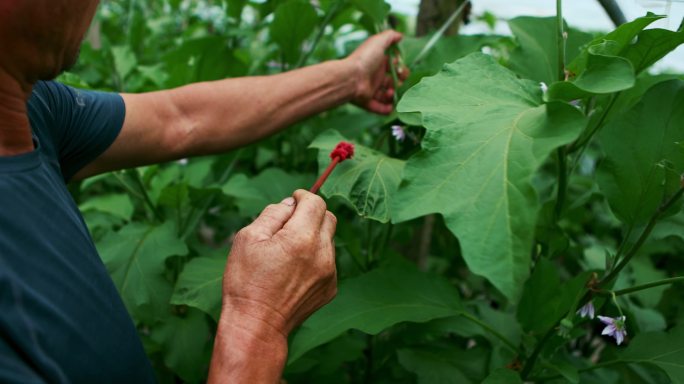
294	21
487	134
202	59
434	365
119	205
199	285
503	376
270	187
636	175
367	181
664	350
124	60
185	341
536	57
376	301
376	10
135	257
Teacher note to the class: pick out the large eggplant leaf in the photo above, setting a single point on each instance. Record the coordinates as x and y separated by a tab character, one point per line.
135	257
376	301
536	56
367	181
643	159
293	22
487	134
664	350
199	285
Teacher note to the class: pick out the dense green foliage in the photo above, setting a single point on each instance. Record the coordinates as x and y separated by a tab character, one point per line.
546	199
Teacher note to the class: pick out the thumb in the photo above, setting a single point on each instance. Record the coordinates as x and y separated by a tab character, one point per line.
272	219
389	37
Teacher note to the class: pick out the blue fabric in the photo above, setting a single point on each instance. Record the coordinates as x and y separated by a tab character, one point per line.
61	317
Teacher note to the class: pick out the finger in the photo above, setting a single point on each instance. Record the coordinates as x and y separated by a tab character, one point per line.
388	82
308	214
389	37
329	226
272	219
389	95
379	107
403	72
381	96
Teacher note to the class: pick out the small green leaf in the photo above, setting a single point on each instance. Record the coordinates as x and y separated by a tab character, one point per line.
119	205
199	285
376	301
368	180
376	10
487	133
651	46
634	175
621	37
269	187
294	21
135	257
124	60
603	75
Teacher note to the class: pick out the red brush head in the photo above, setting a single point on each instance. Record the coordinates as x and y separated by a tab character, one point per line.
343	151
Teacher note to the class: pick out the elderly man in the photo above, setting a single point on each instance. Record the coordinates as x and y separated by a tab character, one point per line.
61	319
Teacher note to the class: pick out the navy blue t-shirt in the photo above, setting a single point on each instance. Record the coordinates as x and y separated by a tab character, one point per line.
61	317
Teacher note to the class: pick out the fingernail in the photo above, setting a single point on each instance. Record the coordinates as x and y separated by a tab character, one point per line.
288	201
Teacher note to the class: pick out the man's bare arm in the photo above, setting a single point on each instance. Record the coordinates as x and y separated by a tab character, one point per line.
212	117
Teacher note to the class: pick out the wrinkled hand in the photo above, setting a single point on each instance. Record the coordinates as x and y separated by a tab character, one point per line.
281	267
375	86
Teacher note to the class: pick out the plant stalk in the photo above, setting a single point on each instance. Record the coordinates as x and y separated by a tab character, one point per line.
642	287
561	40
438	35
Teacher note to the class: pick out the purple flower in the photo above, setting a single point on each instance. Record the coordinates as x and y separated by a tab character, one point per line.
587	310
615	327
398	132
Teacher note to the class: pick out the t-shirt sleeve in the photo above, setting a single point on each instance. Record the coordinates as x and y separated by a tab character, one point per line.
85	123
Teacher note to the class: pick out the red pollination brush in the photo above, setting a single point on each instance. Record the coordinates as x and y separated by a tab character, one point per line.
342	152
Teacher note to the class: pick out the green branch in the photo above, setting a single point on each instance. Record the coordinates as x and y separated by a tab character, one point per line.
438	35
642	287
319	35
560	40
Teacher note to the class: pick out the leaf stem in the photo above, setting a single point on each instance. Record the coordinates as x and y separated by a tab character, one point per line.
582	142
529	363
438	35
642	287
642	238
146	197
493	332
562	182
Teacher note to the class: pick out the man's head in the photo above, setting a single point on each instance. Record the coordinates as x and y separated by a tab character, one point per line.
41	38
